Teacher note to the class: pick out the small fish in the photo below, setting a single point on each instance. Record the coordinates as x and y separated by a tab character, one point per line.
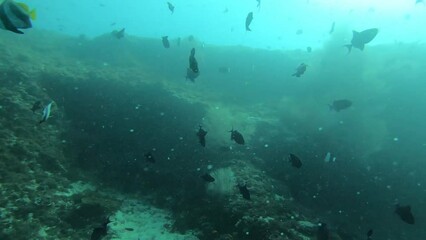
149	157
171	7
237	137
36	106
166	43
404	212
129	229
309	49
249	18
339	105
299	32
224	70
295	161
369	234
258	3
46	113
323	233
300	70
244	191
100	232
15	16
201	134
118	34
359	39
332	28
208	178
192	72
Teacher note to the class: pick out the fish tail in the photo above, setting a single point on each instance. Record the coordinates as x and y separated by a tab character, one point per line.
349	46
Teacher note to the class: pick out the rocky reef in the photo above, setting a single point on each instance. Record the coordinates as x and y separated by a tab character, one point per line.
62	178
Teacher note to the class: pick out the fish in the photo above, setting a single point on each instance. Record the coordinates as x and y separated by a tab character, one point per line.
224	70
171	7
201	134
323	233
208	178
299	32
309	49
166	43
295	161
237	137
118	34
359	39
100	232
404	212
332	28
258	3
15	16
192	72
149	157
249	18
46	112
369	234
36	106
244	191
339	105
300	70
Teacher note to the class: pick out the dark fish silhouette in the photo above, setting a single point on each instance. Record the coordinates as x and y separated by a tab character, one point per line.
359	39
165	40
300	70
201	134
332	28
224	70
100	232
258	3
171	7
369	234
404	212
192	72
208	178
36	106
323	233
237	137
295	161
249	18
309	49
118	34
149	157
244	191
339	105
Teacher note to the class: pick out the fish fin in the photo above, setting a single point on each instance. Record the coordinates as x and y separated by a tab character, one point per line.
349	46
33	14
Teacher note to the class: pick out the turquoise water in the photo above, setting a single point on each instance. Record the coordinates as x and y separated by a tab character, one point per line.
119	100
222	22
